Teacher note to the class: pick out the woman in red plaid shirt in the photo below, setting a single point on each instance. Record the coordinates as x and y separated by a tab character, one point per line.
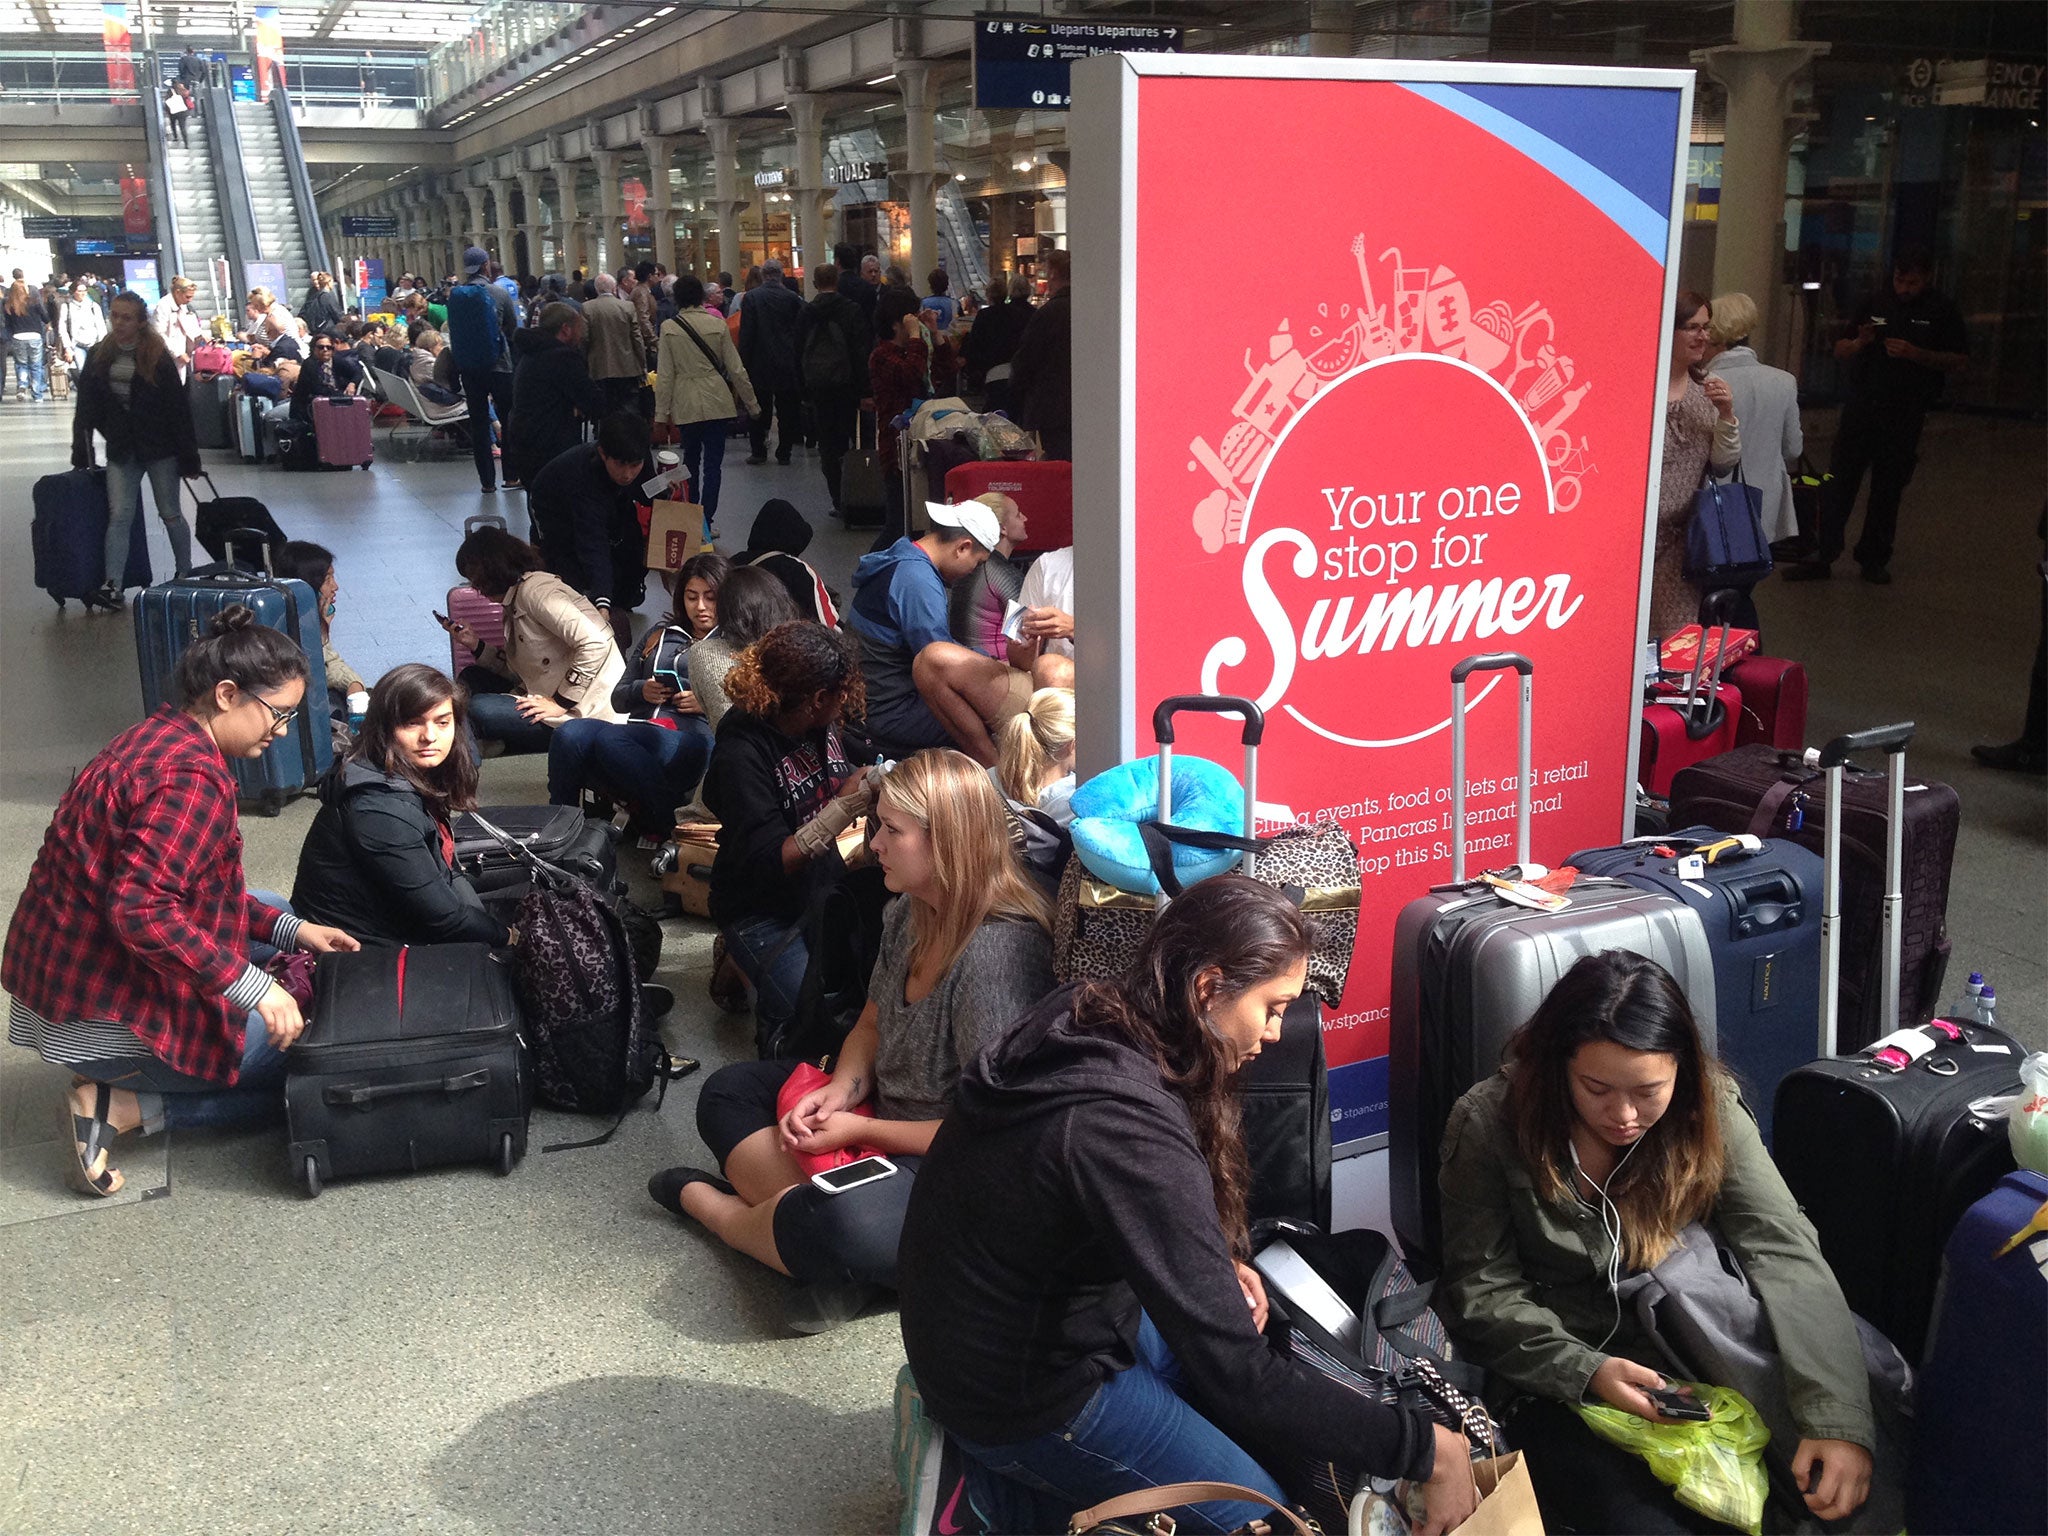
129	958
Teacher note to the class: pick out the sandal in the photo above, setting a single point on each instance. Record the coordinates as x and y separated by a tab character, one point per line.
666	1188
91	1170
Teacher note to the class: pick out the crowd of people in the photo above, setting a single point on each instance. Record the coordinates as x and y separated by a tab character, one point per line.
1065	1224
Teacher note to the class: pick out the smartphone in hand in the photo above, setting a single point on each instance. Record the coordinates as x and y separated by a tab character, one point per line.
1683	1406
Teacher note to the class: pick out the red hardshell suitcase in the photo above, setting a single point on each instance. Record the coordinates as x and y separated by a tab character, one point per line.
1687	725
1773	701
1042	488
341	431
468	606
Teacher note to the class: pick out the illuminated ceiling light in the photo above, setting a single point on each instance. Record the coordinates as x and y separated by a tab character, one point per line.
883	79
959	175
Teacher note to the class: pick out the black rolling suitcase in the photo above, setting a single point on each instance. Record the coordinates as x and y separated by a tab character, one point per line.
412	1059
1769	792
1885	1149
560	834
238	529
1284	1095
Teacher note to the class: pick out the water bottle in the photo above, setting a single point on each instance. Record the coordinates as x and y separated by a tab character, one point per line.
1964	1009
1987	1007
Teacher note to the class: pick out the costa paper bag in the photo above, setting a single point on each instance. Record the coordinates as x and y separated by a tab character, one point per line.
1507	1499
674	533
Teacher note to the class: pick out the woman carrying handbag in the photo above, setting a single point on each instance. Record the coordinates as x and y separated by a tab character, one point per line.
699	388
1700	432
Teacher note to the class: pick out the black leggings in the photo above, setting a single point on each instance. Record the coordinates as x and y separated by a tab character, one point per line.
1587	1485
852	1236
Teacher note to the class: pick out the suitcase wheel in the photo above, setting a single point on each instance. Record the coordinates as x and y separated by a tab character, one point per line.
505	1159
312	1176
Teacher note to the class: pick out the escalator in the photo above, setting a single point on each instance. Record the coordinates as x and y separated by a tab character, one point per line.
269	142
200	237
966	256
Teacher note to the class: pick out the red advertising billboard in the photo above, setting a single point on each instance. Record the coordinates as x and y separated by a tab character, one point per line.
1385	394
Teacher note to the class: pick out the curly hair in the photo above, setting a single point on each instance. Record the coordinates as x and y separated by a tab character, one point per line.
793	662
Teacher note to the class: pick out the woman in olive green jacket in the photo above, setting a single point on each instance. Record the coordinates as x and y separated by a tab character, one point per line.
1611	1118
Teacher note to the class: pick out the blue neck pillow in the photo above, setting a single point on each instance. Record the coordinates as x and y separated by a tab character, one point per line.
1109	807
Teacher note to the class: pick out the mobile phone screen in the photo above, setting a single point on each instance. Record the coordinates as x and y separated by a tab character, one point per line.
859	1172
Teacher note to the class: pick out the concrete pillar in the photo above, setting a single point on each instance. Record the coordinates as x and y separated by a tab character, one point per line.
611	206
661	209
728	201
920	167
457	213
534	225
505	231
1758	70
571	233
478	228
812	197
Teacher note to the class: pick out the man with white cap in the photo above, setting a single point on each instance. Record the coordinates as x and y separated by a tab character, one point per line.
923	689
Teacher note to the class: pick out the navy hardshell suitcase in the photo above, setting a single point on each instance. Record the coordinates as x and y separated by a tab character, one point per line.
1762	912
69	536
172	615
411	1059
1470	968
1980	1413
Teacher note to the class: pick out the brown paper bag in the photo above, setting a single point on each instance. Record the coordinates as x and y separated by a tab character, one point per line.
1507	1499
675	532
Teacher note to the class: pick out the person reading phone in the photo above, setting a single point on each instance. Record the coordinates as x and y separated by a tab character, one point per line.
965	951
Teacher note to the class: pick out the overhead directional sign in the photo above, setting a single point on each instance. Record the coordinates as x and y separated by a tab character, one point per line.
42	227
369	226
1023	62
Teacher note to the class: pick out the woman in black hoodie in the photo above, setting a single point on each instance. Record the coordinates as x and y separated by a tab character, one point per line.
382	848
1076	1301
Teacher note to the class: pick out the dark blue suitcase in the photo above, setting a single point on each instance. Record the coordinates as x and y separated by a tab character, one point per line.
1980	1412
171	616
1762	916
69	536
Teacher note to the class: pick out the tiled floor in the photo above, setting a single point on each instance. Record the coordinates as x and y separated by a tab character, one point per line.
454	1354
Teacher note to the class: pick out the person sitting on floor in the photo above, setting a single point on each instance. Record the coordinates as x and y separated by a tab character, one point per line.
379	859
653	760
1045	644
776	544
979	602
966	951
750	604
559	660
1078	1305
924	688
1036	762
1610	1105
135	956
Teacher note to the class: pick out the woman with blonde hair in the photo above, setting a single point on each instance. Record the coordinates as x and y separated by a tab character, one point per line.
967	950
322	310
1035	754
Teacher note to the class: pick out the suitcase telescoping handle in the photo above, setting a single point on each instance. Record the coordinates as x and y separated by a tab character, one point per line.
482	520
1892	740
1704	712
1254	731
1492	661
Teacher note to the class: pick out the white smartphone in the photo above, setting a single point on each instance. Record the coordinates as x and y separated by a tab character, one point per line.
837	1181
1301	1289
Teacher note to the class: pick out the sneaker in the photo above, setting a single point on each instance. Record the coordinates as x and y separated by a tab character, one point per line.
757	458
1810	570
1877	575
931	1470
824	1305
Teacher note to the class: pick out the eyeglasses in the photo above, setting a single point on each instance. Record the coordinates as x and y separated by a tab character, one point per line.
279	718
1696	330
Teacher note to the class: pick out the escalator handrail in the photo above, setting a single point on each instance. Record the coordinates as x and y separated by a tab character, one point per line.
164	208
231	188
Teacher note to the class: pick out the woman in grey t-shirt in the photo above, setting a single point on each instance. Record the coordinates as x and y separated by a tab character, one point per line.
966	952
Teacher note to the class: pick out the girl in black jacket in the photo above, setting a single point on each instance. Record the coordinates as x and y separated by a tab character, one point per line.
130	393
382	848
1076	1301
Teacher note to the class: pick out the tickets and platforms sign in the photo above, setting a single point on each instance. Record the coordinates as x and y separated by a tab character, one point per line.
1432	429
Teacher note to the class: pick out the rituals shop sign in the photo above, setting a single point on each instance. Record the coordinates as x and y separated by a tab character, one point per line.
1435	433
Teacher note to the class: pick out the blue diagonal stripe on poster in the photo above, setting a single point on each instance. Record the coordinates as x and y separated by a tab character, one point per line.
1640	221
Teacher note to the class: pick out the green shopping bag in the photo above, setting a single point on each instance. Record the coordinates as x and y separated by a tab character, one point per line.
1716	1468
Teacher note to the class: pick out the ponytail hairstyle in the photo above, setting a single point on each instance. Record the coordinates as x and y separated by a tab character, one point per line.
236	648
1029	746
793	663
1246	933
1673	1174
403	695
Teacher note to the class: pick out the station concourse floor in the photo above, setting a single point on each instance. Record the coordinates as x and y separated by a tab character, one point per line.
212	1352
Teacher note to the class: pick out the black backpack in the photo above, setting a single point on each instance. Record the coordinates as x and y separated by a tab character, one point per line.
1043	846
827	360
843	930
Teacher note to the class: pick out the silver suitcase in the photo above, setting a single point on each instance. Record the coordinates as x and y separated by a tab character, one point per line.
1470	968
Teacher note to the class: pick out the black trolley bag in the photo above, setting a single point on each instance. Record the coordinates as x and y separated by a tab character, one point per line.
411	1059
1470	968
1886	1148
560	835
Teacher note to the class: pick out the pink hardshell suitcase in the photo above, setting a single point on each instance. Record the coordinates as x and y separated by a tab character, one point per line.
341	431
468	606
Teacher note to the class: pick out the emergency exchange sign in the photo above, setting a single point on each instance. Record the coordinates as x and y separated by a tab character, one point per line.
1399	405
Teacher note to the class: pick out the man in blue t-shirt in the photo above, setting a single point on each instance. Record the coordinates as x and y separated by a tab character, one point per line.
923	689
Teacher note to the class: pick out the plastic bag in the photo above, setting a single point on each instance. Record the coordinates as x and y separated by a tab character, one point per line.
2027	1124
1716	1468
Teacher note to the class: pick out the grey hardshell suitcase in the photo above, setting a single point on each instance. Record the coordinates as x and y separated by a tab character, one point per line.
1470	968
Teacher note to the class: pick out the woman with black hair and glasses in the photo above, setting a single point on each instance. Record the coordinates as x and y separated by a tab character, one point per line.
322	375
134	956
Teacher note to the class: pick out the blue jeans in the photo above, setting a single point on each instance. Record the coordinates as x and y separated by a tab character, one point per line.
124	505
650	767
1135	1432
703	442
27	351
171	1097
494	714
773	955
